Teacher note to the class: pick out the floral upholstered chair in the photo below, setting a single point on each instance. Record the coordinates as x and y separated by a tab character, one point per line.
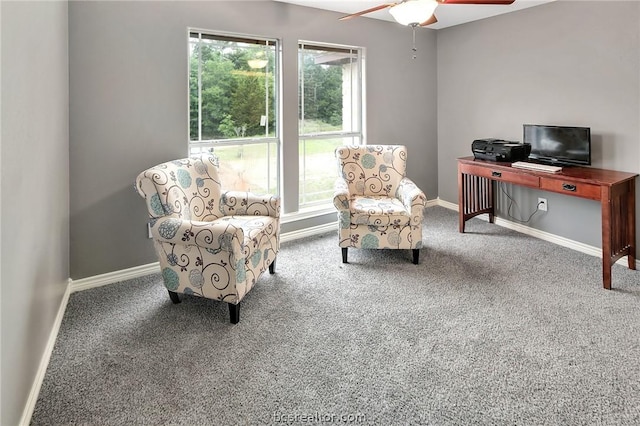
210	243
378	206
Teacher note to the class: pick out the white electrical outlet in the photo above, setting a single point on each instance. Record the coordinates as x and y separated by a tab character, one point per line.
542	204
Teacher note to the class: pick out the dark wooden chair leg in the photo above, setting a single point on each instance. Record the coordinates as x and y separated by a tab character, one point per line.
272	267
344	254
234	313
174	297
416	256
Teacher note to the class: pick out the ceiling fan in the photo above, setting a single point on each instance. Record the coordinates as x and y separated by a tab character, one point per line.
420	13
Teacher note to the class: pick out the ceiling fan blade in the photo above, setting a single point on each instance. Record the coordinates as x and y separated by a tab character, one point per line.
364	12
429	21
505	2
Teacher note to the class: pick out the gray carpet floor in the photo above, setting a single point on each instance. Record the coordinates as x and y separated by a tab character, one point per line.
492	327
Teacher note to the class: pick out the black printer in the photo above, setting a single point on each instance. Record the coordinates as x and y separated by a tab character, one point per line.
500	150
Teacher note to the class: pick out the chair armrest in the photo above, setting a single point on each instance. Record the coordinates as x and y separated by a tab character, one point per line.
341	194
412	198
221	236
249	204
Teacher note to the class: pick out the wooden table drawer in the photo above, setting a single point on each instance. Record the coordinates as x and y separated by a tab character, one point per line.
584	190
499	174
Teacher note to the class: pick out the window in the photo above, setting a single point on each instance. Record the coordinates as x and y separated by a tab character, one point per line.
233	95
330	102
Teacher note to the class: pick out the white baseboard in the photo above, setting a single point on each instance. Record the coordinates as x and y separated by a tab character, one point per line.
114	277
307	232
152	268
546	236
431	203
556	239
447	205
44	361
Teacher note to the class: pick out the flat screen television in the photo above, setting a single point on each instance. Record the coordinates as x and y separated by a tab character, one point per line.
558	145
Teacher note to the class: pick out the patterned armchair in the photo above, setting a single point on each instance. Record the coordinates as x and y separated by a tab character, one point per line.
209	243
378	206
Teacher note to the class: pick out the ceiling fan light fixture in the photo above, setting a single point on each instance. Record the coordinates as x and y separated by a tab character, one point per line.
413	12
257	63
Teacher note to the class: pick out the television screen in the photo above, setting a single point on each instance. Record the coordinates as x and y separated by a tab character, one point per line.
561	145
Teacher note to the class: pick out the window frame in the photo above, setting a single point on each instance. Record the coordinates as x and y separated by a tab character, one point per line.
359	123
206	144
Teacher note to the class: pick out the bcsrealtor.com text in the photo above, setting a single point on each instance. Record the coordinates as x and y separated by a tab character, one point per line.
317	417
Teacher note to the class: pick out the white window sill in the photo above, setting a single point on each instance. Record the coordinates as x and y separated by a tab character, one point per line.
307	213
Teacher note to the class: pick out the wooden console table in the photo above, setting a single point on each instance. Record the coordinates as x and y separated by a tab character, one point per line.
615	191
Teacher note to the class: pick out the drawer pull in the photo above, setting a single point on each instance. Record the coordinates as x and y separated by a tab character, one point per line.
569	187
496	174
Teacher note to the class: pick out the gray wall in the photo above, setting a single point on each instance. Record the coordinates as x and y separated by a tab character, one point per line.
564	63
35	190
128	105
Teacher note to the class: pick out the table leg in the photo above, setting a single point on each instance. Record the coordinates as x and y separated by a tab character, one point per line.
631	219
475	197
606	237
461	202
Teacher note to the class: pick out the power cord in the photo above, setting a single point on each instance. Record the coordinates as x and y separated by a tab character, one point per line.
512	202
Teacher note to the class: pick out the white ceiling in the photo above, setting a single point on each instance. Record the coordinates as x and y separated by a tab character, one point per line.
448	15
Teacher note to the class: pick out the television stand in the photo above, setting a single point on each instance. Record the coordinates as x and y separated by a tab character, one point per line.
614	190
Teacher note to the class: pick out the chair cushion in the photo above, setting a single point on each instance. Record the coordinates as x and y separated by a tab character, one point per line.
378	211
